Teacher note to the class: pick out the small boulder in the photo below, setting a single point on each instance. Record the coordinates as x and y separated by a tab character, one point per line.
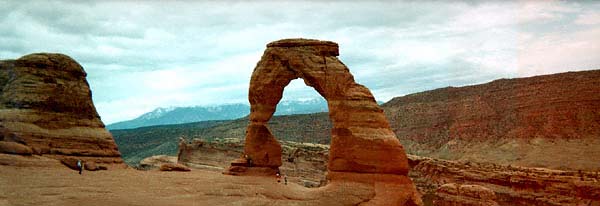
174	167
90	166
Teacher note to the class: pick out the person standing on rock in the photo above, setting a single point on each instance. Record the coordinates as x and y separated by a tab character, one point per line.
248	160
79	166
285	179
278	176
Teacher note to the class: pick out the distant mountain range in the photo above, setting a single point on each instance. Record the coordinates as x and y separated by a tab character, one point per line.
181	115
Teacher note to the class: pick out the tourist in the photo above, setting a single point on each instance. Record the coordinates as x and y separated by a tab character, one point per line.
278	177
248	159
79	166
285	179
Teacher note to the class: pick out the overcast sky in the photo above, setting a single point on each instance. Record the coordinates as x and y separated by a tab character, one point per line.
140	55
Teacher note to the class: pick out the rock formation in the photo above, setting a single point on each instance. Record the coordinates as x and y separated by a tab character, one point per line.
441	181
507	185
542	121
303	163
46	106
424	128
208	155
174	167
363	147
156	161
465	195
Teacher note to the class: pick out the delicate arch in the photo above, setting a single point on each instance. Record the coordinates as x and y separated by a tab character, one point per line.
361	140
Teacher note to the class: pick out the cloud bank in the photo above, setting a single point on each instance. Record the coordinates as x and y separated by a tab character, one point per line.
142	55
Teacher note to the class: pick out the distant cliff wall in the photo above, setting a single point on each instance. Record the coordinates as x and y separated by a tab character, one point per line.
550	120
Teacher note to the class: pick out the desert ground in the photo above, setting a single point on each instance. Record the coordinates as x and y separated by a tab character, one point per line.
50	183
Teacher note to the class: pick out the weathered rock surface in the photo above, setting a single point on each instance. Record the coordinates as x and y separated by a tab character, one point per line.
209	155
71	163
363	146
156	161
512	186
361	138
28	161
174	167
472	183
14	148
46	105
464	195
303	163
54	186
92	166
542	121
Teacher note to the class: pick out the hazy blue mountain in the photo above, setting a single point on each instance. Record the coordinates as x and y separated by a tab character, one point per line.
180	115
301	106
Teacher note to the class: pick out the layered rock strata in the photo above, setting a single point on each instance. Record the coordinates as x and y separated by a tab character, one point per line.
510	185
464	195
363	147
441	182
542	121
46	106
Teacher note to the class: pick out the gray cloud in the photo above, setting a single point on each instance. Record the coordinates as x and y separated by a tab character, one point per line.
142	55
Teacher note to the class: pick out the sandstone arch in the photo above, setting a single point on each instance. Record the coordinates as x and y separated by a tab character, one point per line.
362	140
363	147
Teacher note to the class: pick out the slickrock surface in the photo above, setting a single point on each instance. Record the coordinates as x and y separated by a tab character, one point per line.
446	182
46	105
542	121
363	146
56	185
512	185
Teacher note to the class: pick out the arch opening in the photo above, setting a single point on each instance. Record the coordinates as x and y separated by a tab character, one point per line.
304	138
361	138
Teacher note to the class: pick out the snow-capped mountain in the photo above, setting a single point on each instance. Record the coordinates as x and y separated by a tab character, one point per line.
157	113
180	115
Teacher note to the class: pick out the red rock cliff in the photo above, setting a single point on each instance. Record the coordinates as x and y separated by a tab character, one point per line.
549	120
46	108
